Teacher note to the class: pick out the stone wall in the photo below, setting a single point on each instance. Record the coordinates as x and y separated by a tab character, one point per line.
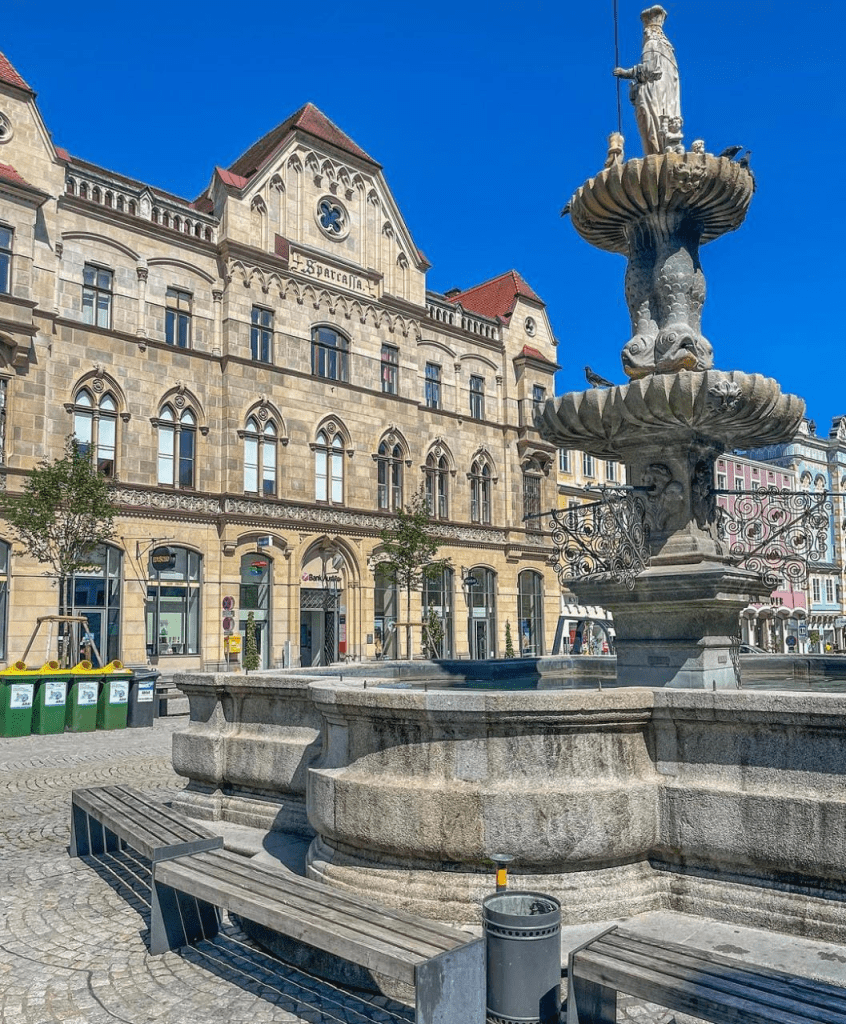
616	801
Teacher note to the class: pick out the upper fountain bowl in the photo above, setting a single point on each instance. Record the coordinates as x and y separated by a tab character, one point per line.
712	190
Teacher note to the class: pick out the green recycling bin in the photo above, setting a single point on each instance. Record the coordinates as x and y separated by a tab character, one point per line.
49	709
113	702
17	693
81	706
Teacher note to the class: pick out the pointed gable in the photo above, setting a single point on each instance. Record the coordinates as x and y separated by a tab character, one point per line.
308	120
496	297
10	76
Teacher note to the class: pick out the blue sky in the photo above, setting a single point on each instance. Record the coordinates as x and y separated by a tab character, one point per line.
486	117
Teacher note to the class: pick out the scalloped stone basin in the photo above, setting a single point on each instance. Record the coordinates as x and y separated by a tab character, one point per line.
714	191
731	409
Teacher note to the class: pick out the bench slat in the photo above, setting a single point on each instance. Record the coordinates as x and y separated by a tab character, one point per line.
187	876
323	906
806	991
146	827
430	937
689	994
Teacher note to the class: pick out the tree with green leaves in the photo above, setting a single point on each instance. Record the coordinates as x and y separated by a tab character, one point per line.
408	553
509	643
63	513
250	660
433	638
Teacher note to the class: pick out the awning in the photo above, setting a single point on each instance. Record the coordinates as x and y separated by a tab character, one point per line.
586	611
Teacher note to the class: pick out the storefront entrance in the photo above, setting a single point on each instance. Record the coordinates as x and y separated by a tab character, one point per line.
254	596
323	618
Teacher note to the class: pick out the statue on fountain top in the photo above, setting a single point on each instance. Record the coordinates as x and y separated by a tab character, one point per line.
655	90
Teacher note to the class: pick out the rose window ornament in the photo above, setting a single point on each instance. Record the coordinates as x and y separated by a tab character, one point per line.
332	217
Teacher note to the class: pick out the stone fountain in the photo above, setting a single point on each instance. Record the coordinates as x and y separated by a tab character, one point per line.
676	625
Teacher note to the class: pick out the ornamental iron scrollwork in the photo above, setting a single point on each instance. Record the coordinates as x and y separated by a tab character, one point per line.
776	533
606	539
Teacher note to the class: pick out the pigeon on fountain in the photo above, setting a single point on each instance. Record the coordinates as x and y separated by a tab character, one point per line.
730	152
744	160
595	380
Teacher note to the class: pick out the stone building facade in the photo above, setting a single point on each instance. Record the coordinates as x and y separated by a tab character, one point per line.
265	377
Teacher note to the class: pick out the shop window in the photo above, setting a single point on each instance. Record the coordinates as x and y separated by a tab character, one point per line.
173	602
95	429
96	594
385	614
438	616
530	611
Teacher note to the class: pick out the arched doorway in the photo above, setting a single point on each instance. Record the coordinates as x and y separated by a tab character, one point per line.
254	596
323	613
480	583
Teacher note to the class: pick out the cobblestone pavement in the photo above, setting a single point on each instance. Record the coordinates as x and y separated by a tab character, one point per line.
73	932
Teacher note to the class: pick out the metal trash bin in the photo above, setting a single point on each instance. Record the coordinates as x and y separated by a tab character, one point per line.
523	940
17	694
141	710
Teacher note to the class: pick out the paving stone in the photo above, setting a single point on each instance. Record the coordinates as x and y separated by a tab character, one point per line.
73	932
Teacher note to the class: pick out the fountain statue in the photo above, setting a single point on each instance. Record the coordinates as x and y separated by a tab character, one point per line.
678	414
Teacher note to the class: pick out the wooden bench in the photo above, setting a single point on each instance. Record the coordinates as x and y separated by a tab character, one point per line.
445	966
716	988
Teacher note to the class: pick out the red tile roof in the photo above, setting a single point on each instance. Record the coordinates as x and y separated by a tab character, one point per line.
63	154
496	297
9	75
228	178
533	353
307	119
8	173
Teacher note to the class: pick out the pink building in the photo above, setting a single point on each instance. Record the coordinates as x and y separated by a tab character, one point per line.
778	626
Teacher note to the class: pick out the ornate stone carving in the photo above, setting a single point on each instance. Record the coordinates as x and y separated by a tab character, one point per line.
658	211
664	496
725	394
703	501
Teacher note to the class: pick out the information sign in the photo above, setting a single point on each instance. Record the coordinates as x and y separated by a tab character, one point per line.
118	691
20	695
145	692
55	693
86	694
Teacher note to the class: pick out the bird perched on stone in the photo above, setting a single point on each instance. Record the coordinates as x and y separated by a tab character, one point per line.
565	209
595	380
730	152
744	160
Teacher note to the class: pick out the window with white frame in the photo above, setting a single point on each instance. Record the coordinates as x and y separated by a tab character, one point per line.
329	467
610	470
815	588
588	465
829	590
389	477
95	428
437	471
97	283
260	457
480	492
177	448
563	460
